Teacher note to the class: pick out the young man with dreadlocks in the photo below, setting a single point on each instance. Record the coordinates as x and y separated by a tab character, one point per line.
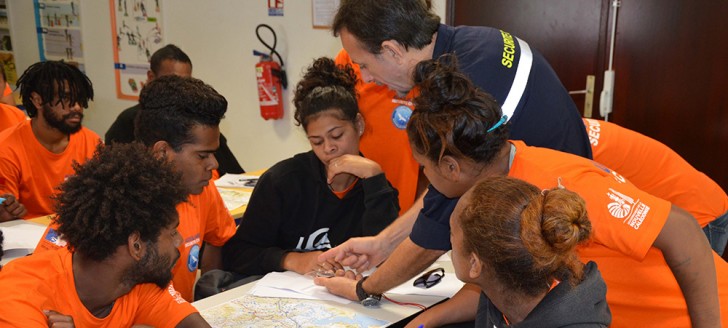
36	155
118	215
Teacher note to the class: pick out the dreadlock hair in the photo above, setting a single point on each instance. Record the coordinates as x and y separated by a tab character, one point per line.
452	116
326	86
170	106
48	79
409	22
1	245
122	189
168	52
526	236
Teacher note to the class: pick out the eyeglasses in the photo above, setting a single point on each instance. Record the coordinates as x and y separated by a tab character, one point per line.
430	278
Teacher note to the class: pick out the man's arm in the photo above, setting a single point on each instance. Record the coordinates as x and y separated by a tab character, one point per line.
405	262
462	307
363	253
211	258
690	258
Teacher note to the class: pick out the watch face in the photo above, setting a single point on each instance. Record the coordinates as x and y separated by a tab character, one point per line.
370	301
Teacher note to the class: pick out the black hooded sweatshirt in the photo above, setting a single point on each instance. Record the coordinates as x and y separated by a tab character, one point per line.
293	209
584	305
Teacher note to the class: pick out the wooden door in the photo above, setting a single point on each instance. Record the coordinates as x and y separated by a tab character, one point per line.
671	63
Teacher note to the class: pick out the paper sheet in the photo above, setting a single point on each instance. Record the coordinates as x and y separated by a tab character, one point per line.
293	285
234	198
21	235
237	181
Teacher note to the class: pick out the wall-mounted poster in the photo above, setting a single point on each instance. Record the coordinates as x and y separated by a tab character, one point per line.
7	60
58	24
136	27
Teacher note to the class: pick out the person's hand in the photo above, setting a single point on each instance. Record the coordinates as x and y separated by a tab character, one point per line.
360	254
303	263
11	208
343	284
58	320
354	165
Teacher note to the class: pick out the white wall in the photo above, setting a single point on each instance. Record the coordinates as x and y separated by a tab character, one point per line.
219	36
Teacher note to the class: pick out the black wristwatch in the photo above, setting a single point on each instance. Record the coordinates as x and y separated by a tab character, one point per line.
366	299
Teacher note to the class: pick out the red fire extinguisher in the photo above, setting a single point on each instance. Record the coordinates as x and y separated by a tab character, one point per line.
271	79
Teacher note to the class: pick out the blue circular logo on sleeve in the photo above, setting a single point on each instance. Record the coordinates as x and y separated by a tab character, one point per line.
400	116
194	258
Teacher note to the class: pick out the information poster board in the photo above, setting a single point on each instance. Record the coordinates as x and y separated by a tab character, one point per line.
58	26
136	27
7	59
324	12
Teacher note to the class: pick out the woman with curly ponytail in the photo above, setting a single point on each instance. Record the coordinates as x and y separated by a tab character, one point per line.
318	199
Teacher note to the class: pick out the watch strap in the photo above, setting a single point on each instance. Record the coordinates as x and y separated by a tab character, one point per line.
360	293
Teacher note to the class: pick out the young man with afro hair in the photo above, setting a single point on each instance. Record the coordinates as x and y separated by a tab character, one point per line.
118	216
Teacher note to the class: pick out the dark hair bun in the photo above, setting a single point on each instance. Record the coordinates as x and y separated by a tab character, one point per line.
441	84
324	72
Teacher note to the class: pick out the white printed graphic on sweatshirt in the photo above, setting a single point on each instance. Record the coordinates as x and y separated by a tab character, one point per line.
319	239
624	207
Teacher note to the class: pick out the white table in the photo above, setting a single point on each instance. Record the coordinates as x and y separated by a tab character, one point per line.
386	311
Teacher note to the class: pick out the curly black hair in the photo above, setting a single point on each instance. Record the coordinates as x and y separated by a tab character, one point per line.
326	86
170	106
1	244
122	189
452	116
47	78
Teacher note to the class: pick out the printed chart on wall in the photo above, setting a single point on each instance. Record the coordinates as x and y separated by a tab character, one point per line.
6	46
58	24
137	30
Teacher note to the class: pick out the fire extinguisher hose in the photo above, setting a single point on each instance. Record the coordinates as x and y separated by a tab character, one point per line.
282	73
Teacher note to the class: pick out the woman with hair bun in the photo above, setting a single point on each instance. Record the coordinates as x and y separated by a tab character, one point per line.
318	199
518	244
653	256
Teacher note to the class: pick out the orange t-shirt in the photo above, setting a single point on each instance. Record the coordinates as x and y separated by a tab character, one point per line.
31	172
396	160
46	282
641	289
203	218
10	116
656	169
7	91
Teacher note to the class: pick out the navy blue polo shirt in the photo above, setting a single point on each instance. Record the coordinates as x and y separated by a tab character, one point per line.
544	115
432	227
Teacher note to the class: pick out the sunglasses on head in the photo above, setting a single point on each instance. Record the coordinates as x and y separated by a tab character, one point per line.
430	278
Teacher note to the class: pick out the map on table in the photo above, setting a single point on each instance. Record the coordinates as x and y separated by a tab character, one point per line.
253	311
